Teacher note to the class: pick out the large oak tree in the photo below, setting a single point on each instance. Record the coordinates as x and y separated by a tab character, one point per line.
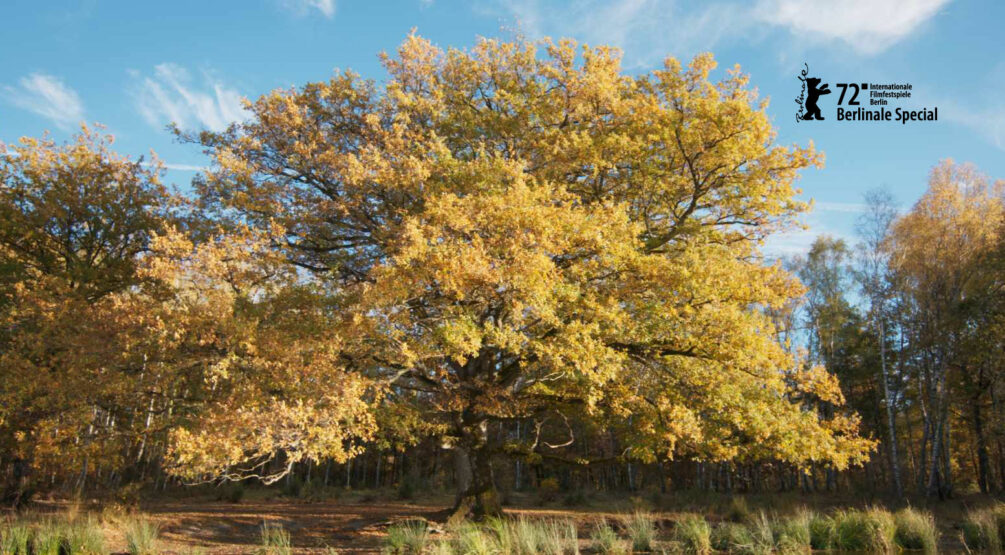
523	230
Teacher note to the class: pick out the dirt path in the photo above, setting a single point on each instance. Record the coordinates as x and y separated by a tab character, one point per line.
227	528
223	528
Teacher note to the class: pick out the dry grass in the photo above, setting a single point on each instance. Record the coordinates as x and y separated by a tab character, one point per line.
358	523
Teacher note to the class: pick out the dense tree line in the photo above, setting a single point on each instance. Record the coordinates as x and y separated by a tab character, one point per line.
910	319
513	268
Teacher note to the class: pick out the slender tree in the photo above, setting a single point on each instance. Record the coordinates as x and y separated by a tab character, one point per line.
874	227
938	247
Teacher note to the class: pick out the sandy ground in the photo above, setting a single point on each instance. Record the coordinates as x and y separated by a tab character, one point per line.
219	527
358	523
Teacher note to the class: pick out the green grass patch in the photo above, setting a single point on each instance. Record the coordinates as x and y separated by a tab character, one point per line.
693	534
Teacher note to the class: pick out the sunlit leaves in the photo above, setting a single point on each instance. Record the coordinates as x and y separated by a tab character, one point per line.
521	228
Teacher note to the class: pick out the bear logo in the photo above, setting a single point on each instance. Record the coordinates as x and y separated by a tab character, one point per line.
811	93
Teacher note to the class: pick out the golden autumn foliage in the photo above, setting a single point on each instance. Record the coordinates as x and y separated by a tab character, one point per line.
519	251
274	384
121	336
946	255
74	221
522	230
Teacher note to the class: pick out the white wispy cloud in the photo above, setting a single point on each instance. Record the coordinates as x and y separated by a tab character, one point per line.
184	167
171	95
48	97
974	104
836	219
790	243
988	121
304	7
867	26
845	207
648	29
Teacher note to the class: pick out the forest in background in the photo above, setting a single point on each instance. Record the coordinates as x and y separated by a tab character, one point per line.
510	269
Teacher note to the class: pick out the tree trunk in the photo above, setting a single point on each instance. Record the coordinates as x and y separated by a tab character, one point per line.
477	498
934	479
983	462
18	492
890	421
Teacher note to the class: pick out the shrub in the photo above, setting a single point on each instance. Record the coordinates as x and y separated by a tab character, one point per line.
575	499
129	494
141	536
694	535
293	486
641	529
274	540
548	489
407	537
605	540
737	510
408	486
312	490
916	530
231	492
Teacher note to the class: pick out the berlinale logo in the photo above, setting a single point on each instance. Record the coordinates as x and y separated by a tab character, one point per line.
811	92
875	104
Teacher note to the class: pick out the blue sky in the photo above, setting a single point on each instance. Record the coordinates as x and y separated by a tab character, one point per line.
135	66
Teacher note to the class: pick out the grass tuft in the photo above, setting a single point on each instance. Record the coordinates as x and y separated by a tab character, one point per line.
694	535
521	536
84	537
275	540
982	530
792	534
641	529
762	532
470	538
868	530
15	538
48	537
141	536
407	537
732	537
822	532
605	539
916	530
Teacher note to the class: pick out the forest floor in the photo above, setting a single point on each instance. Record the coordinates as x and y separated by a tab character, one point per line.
357	522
